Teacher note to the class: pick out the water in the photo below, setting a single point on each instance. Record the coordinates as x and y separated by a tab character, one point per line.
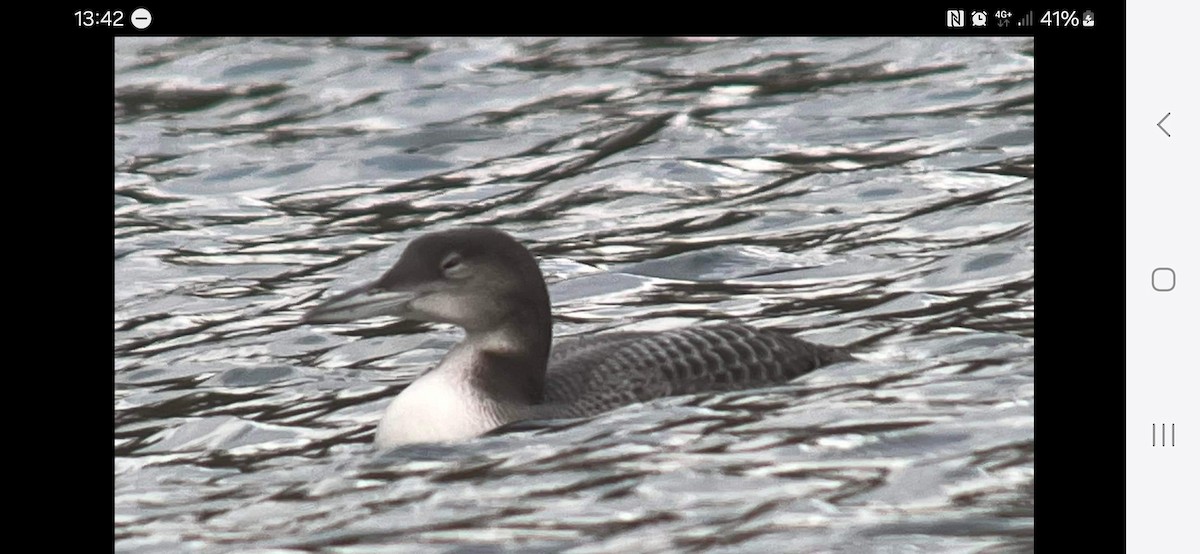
875	193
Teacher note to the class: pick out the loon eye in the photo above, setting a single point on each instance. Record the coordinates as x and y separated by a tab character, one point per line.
452	264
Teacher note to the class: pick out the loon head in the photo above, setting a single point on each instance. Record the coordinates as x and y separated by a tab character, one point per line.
485	282
477	278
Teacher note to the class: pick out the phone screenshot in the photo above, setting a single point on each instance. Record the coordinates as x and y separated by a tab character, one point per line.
379	288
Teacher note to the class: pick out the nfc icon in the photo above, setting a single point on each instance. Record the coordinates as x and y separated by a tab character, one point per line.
954	18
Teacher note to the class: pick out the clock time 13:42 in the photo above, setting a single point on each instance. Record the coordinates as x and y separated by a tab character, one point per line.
107	18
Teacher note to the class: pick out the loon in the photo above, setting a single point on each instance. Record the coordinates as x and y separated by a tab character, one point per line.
487	283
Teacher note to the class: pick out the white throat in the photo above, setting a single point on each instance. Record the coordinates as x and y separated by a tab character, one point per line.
442	405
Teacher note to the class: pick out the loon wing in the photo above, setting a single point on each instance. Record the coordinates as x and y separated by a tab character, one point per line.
597	373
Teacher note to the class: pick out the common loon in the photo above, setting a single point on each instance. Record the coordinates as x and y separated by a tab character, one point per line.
484	281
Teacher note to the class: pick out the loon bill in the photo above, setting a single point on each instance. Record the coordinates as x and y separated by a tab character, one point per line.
487	283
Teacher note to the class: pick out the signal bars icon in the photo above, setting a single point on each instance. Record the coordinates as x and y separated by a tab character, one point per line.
1026	21
1154	434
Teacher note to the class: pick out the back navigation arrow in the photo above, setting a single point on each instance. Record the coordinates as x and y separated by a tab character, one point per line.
1162	120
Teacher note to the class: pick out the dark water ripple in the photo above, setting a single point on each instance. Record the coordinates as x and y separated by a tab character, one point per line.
874	193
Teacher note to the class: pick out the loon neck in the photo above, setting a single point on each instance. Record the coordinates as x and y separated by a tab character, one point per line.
507	361
493	377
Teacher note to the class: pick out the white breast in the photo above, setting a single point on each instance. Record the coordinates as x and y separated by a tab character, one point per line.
439	406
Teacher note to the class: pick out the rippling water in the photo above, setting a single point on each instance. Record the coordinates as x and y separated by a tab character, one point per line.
874	193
